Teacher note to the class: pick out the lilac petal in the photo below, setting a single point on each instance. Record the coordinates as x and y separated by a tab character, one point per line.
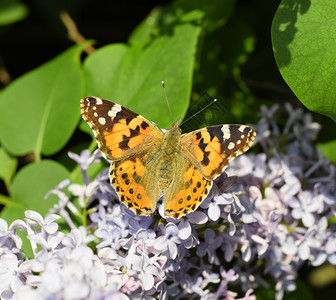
3	225
33	215
55	239
26	266
214	211
184	229
263	244
74	156
16	284
76	290
135	260
225	198
246	253
289	247
142	234
38	240
91	188
197	217
99	277
161	243
18	224
172	250
294	202
256	193
147	281
202	249
292	186
297	213
63	184
171	229
85	155
332	258
34	280
322	224
51	228
218	242
319	259
76	189
232	228
308	219
10	260
331	246
5	281
7	295
228	252
313	206
304	251
209	235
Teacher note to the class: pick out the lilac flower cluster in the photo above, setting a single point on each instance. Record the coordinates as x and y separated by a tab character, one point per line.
265	218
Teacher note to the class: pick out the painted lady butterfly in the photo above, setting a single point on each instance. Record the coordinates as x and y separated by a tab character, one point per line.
147	162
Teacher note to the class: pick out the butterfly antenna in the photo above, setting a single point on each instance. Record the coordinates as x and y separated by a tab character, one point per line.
164	90
205	107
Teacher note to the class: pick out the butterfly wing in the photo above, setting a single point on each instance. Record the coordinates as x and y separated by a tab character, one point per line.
127	139
211	149
129	180
189	189
119	131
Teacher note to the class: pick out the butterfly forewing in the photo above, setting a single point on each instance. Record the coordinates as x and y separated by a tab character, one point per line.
211	149
119	131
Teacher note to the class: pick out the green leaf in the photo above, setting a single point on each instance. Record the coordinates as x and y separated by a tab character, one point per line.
132	76
40	110
220	62
216	13
305	49
12	11
328	149
222	65
8	166
30	186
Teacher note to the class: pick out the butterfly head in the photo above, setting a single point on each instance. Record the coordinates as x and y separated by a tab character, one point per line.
175	129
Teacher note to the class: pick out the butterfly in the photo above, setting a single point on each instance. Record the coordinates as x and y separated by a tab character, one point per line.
148	163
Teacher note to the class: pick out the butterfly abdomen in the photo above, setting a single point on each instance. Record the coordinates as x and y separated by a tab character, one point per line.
170	154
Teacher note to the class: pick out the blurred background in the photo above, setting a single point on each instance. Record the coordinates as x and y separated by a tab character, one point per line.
32	33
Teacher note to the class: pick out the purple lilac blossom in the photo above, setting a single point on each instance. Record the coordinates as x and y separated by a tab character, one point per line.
264	218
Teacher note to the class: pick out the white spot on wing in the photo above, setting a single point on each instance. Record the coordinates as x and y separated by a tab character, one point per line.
226	132
114	110
102	121
238	142
95	114
241	128
231	146
99	101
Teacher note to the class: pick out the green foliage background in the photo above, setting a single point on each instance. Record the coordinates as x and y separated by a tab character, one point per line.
232	50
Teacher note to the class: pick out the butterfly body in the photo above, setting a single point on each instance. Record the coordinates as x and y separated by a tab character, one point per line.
147	163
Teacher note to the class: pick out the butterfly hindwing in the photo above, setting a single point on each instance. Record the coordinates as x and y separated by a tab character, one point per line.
188	194
128	179
211	149
119	131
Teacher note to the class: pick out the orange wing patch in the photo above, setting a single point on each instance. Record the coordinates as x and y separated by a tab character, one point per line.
119	131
